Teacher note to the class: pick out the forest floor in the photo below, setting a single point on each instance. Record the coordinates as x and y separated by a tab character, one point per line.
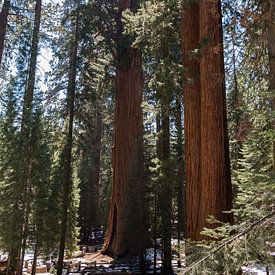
92	257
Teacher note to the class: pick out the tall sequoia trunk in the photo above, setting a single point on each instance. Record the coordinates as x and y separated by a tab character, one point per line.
124	229
3	26
192	132
208	180
271	50
216	189
25	131
67	180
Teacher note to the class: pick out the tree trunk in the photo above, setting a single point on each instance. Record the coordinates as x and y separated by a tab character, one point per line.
271	50
192	128
180	172
124	228
93	201
13	260
28	96
25	131
181	227
3	26
216	189
208	180
34	263
67	181
165	193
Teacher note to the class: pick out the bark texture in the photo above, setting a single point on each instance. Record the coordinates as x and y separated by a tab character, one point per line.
3	26
216	189
192	131
208	180
126	230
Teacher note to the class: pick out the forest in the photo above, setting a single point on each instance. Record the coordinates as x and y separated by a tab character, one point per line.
139	133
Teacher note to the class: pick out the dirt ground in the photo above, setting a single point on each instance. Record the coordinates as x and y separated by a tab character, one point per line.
91	258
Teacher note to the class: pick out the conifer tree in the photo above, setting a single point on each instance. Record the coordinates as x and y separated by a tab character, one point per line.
40	191
271	52
9	211
211	192
192	129
67	176
3	25
26	160
124	229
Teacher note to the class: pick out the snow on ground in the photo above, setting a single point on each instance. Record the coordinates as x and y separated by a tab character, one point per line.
257	270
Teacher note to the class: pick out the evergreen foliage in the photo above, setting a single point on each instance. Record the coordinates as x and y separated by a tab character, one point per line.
32	166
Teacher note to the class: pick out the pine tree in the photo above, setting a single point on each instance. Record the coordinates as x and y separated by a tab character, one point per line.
11	214
3	25
67	177
271	51
26	161
40	192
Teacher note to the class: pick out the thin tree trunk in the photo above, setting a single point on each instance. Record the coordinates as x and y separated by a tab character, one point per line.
93	188
128	185
236	101
67	181
28	96
271	50
181	226
180	172
34	263
158	151
25	130
155	233
3	26
216	188
192	127
166	192
12	260
27	211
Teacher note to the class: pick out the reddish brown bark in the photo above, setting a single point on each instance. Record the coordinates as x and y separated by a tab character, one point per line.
216	189
125	229
208	180
128	143
190	42
3	26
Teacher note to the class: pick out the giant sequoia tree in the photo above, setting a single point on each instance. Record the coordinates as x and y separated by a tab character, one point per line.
215	166
207	153
125	230
192	130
